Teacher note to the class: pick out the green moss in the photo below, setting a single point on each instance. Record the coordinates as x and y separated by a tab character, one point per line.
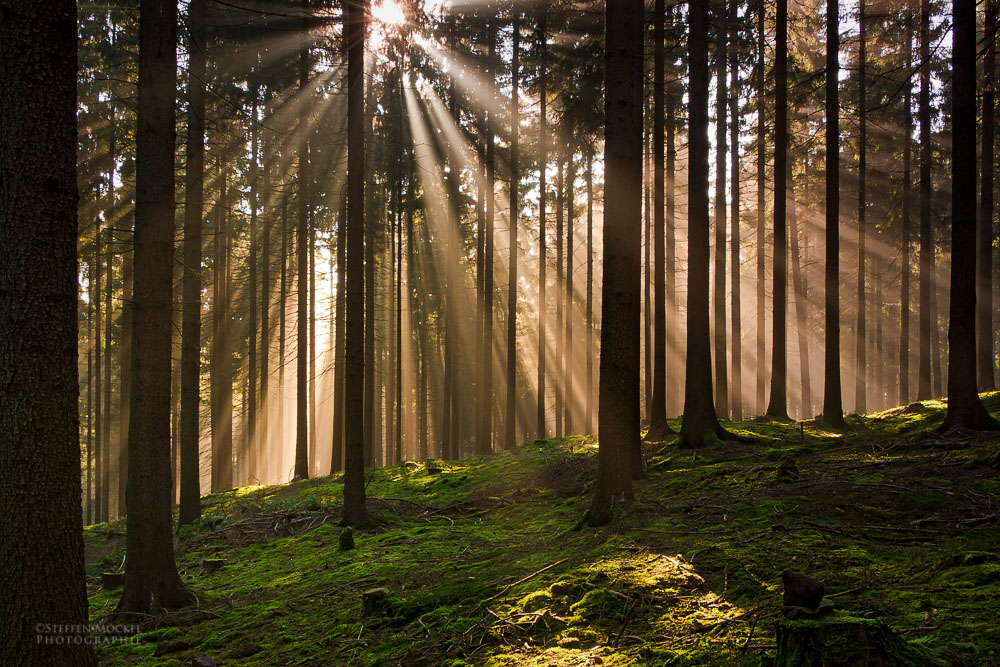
598	606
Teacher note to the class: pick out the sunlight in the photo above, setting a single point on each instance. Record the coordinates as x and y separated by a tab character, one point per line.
388	13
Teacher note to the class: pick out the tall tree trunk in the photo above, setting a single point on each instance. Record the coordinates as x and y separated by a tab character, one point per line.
590	289
568	350
262	428
861	362
42	545
647	264
658	411
799	287
736	379
313	462
337	460
543	162
190	483
904	255
485	411
719	291
278	451
301	470
833	410
108	337
560	378
761	168
670	285
618	458
699	409
151	579
926	242
251	475
984	251
778	403
964	407
354	480
511	419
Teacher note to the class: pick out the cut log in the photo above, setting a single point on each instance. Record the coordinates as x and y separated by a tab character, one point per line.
112	579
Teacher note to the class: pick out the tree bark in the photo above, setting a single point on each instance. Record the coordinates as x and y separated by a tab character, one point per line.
761	201
833	411
904	255
543	162
618	457
151	579
861	361
301	469
355	512
190	483
511	419
984	250
736	374
41	546
926	242
719	291
964	407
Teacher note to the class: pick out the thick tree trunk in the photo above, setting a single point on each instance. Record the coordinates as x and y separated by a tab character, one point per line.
151	579
833	410
618	458
190	427
41	548
984	250
761	200
736	379
354	481
964	407
700	423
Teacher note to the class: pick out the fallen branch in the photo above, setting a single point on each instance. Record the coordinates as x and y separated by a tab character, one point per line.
521	581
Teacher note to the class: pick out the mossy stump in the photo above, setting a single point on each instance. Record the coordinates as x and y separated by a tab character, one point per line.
210	565
376	602
111	580
844	641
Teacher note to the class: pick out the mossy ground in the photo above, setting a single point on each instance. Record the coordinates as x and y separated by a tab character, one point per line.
901	520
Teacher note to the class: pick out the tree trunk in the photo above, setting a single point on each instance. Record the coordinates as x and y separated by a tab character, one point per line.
926	242
354	481
984	251
964	407
568	351
301	469
904	255
699	410
278	451
736	379
560	385
861	362
618	458
719	291
190	427
511	419
833	411
670	284
761	168
543	162
251	475
151	579
589	427
799	287
658	411
42	547
337	458
778	403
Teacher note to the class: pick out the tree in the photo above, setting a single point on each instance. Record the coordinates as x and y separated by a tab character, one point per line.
355	511
860	387
719	318
151	579
964	407
736	374
190	503
904	255
926	242
510	420
778	404
984	250
618	425
699	410
658	412
543	161
39	437
761	168
833	411
302	286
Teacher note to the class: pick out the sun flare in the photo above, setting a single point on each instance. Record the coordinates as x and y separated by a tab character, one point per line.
388	13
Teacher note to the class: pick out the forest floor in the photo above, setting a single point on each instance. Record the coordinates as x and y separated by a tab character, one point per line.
485	561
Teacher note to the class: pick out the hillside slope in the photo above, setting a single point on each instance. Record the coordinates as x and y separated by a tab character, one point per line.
485	562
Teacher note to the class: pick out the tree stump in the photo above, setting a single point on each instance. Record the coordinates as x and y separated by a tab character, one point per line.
210	565
346	539
112	579
376	603
840	640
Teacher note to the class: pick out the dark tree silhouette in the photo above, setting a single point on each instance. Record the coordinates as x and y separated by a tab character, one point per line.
700	422
926	241
964	407
833	410
190	483
41	550
355	511
151	579
618	403
984	249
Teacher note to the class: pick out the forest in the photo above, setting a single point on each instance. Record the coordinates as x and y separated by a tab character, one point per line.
499	332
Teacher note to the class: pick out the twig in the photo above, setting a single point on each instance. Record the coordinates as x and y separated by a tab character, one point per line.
628	619
923	628
842	593
521	581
